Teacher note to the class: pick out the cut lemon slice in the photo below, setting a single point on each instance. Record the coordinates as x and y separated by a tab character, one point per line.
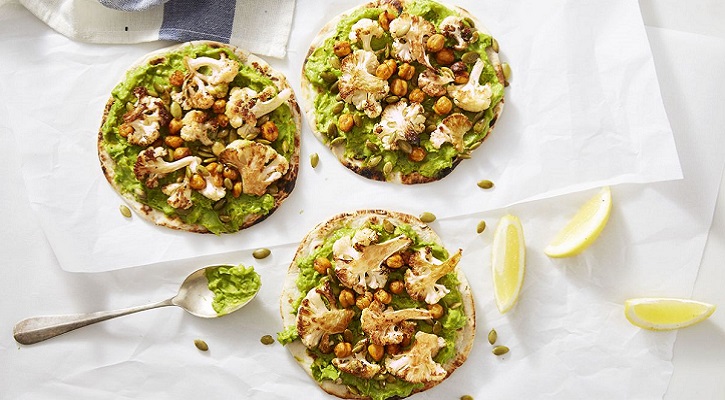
508	262
662	314
584	228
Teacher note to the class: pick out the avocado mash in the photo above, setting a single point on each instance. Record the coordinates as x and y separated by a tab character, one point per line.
232	286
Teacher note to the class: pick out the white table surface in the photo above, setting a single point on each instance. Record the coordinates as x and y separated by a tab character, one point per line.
32	274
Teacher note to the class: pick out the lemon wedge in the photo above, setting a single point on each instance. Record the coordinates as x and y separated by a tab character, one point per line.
584	228
508	262
663	314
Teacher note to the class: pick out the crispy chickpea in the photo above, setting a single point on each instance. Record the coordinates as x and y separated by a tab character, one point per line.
435	43
391	64
181	152
384	71
343	349
173	141
417	96
321	264
217	180
392	349
197	182
219	106
406	71
177	78
461	78
175	126
364	301
417	155
237	189
406	341
376	351
346	298
397	287
395	261
443	106
125	129
341	49
436	310
445	56
270	131
230	173
384	20
383	296
345	122
222	120
399	87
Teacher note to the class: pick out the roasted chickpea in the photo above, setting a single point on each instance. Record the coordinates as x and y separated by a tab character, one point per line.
392	349
237	189
399	87
435	43
125	129
376	351
436	310
219	106
383	296
181	152
417	154
395	261
321	264
177	78
397	287
406	71
461	78
417	96
175	126
173	141
443	106
341	49
346	298
384	20
364	301
343	349
230	173
384	71
222	120
270	131
197	182
345	122
445	56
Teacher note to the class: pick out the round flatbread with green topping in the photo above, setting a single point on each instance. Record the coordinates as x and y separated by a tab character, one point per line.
403	90
201	137
374	307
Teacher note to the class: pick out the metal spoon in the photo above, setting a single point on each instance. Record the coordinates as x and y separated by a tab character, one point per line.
194	296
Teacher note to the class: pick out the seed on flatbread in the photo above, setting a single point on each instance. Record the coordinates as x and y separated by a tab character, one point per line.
125	211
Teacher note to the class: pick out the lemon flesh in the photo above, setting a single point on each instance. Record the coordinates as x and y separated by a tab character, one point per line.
584	228
508	262
664	314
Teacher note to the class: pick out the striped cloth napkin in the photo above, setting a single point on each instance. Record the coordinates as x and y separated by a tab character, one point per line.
261	27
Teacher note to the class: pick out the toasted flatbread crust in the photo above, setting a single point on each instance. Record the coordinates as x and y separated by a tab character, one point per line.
315	237
285	184
309	92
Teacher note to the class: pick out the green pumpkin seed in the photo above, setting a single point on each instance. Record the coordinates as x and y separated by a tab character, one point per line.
251	135
437	328
374	161
387	168
266	340
219	204
470	57
285	147
314	160
264	141
392	99
430	128
455	305
261	253
500	350
494	45
372	146
175	110
225	218
334	62
205	152
233	135
466	397
474	37
506	71
359	346
427	217
129	107
357	120
328	77
332	130
339	106
272	189
125	211
228	184
202	170
492	336
338	140
485	184
217	148
223	134
201	345
153	92
388	226
475	145
335	88
209	160
347	335
465	155
481	226
380	377
406	147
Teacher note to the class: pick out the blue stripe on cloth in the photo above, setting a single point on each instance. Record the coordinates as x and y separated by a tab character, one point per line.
186	20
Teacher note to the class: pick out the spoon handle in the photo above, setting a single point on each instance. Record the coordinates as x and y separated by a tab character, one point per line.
36	329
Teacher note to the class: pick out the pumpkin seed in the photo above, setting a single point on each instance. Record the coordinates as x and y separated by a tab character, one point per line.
201	345
372	146
262	120
125	211
360	346
387	168
392	99
465	155
267	340
475	145
339	106
314	160
466	397
481	226
334	62
469	22
479	126
328	76
285	147
405	146
153	92
347	335
374	161
272	189
251	135
470	57
506	71
332	130
264	141
353	389
175	110
219	204
225	218
430	128
455	305
261	253
209	160
494	45
357	119
437	328
335	88
223	134
228	184
233	135
338	97
129	107
492	336
205	153
217	148
380	377
474	37
388	226
500	350
202	170
427	217
337	140
485	184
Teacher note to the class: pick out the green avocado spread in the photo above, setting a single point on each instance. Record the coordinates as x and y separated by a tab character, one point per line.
448	325
323	70
220	215
232	286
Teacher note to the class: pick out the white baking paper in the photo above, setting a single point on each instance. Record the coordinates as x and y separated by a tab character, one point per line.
583	110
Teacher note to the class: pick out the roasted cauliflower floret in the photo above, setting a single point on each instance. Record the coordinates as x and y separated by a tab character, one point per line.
433	83
364	237
400	121
148	115
410	34
357	365
386	326
361	269
364	30
472	96
259	165
451	130
197	126
207	79
422	276
245	105
179	194
150	165
358	84
416	365
315	318
454	27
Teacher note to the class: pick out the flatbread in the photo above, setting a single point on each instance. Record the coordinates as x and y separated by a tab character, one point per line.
353	151
232	211
309	247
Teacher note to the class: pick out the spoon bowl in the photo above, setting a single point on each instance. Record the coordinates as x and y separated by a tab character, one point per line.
194	296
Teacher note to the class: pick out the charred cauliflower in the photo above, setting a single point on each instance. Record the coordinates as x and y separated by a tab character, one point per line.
315	318
206	80
386	326
422	276
259	164
416	365
472	96
359	85
360	269
150	165
141	124
245	105
451	130
400	121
